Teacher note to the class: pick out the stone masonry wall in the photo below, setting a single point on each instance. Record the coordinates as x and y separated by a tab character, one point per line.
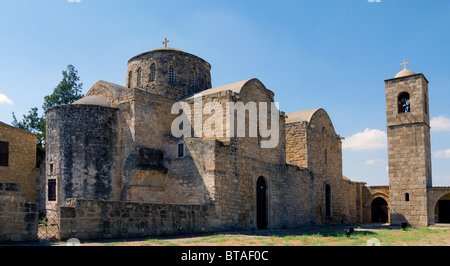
184	64
18	218
21	168
409	150
91	219
82	152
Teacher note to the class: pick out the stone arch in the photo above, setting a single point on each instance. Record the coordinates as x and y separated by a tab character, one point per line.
367	206
442	209
379	210
404	102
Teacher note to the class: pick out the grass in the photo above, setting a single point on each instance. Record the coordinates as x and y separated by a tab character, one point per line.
330	236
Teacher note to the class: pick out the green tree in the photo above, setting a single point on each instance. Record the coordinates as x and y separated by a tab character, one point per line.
67	92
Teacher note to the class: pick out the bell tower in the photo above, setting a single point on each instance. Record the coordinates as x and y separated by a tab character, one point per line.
409	148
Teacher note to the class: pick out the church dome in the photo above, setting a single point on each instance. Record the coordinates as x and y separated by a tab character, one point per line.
169	72
92	100
404	73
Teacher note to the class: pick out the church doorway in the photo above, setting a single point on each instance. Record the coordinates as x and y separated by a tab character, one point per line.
379	211
261	204
443	210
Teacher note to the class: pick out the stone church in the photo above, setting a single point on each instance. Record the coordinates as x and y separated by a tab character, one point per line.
114	169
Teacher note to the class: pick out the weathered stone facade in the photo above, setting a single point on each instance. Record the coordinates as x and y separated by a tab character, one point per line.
18	185
121	171
21	167
413	199
409	150
129	132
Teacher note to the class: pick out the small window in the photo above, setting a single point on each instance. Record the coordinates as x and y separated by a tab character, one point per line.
426	105
51	169
404	105
171	74
407	197
205	82
130	76
326	157
52	190
139	77
193	78
153	73
180	150
4	153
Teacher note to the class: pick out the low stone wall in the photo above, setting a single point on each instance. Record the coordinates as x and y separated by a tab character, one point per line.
92	219
18	219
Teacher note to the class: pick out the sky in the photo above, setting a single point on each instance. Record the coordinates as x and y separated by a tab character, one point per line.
331	54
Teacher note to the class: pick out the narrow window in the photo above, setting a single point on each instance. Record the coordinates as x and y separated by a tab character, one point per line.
139	77
153	73
404	106
51	169
407	197
328	201
193	78
52	190
326	157
130	75
171	74
426	105
180	150
4	153
205	82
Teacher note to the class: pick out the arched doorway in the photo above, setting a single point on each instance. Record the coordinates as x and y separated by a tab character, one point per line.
443	209
261	204
379	209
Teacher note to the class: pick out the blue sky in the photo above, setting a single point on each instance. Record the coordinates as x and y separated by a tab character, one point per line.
331	54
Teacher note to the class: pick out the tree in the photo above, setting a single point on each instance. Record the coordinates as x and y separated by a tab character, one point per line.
67	92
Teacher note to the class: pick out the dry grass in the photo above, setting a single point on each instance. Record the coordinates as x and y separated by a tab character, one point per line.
314	236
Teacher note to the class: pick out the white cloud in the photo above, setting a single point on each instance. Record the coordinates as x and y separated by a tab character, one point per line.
442	154
440	123
5	99
374	161
370	139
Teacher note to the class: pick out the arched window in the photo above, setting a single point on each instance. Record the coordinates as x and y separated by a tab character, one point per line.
152	73
139	76
404	106
192	83
327	201
171	73
130	76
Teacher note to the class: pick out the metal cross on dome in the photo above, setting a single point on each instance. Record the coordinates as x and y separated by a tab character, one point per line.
165	42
